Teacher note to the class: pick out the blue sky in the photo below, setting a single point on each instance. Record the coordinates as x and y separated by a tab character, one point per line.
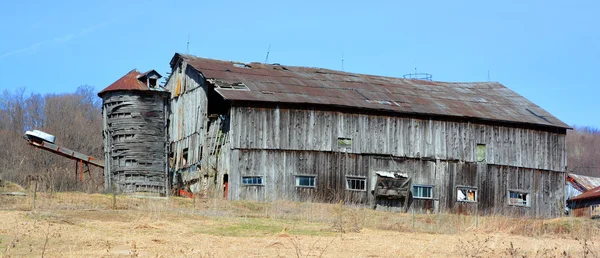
547	51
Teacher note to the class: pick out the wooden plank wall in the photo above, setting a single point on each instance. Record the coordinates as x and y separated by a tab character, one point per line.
135	141
278	169
290	129
187	118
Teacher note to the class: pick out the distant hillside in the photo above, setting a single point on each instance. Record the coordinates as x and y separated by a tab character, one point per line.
583	148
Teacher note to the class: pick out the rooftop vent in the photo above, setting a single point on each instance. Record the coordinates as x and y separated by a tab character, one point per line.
418	76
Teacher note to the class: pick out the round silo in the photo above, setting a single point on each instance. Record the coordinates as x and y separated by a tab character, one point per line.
134	109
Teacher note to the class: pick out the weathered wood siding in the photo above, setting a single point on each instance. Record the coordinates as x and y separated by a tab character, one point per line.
278	144
187	118
278	169
135	141
291	129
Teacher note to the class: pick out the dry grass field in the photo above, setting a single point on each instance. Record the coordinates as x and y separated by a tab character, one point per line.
96	225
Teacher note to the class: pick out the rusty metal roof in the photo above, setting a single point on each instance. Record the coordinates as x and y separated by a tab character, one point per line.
583	183
593	193
304	85
129	82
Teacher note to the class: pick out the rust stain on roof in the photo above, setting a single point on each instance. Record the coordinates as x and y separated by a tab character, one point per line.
304	85
129	82
583	183
594	193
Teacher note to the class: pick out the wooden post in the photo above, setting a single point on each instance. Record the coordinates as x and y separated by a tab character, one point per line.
80	170
413	218
476	215
35	192
341	219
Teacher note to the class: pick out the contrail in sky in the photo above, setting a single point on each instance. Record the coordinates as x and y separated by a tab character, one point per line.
35	46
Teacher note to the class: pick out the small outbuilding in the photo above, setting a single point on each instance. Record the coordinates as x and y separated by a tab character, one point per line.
586	204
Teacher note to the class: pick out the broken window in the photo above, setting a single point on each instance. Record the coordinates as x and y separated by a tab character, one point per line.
184	157
306	181
113	103
119	115
356	183
344	143
252	180
518	198
152	82
122	137
233	86
422	191
595	211
481	149
466	194
130	162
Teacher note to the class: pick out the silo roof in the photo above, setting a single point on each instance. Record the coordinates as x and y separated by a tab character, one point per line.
130	82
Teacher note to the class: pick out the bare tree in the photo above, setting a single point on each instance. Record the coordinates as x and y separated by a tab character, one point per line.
583	151
75	119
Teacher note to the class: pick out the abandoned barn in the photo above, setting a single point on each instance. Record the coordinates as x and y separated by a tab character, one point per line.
253	131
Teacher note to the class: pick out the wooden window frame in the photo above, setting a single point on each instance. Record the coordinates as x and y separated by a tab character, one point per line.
344	147
314	180
477	148
517	191
253	184
358	178
422	186
468	188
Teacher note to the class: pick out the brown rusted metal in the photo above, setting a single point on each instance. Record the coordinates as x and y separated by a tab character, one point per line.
129	82
591	194
302	85
67	153
583	183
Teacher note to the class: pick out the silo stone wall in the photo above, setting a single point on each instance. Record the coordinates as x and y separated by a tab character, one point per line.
135	141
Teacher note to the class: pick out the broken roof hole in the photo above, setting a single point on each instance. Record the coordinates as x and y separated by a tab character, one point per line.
241	65
233	86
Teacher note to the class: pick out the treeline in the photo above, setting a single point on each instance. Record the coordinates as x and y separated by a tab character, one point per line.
76	121
583	149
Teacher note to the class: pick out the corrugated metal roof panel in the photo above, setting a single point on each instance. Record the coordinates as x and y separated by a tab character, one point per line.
290	84
594	193
128	82
583	183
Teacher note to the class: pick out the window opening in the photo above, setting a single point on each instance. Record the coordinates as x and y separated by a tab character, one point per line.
344	143
595	211
252	180
356	183
152	82
185	157
305	181
422	191
518	198
232	86
466	194
481	149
